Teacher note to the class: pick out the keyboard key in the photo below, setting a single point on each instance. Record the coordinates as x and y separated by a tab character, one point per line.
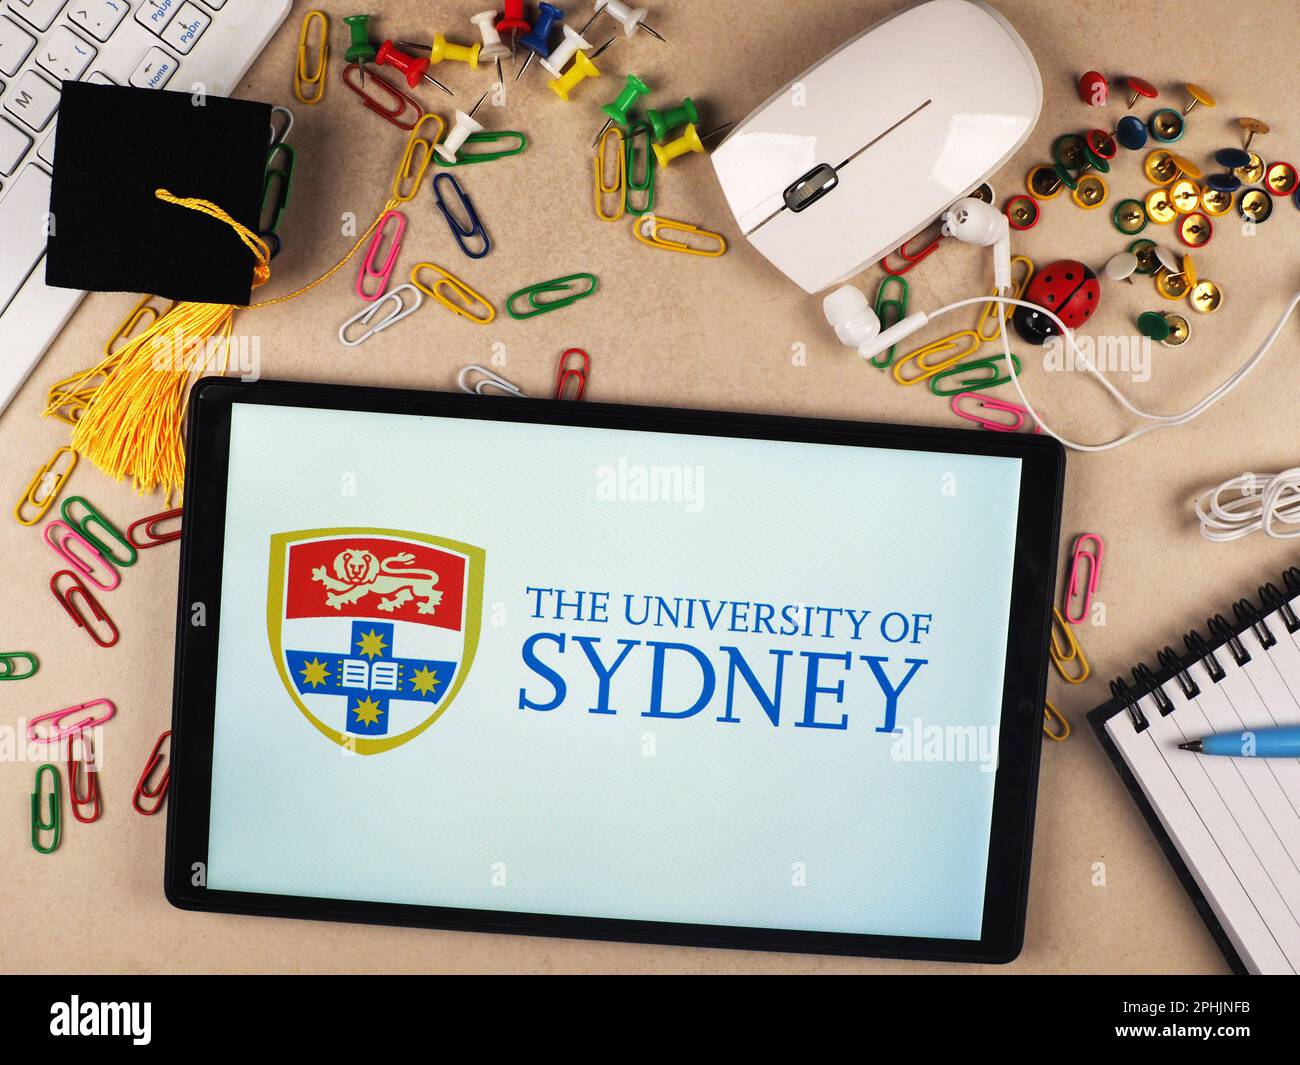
99	18
13	146
98	77
65	55
33	100
155	14
155	70
15	45
40	13
185	28
216	5
23	214
46	151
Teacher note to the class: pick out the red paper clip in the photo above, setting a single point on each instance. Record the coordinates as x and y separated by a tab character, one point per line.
91	798
912	259
61	731
1072	590
64	551
79	589
567	373
151	537
381	276
395	116
142	789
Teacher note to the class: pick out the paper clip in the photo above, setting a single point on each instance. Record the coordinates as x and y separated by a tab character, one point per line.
990	403
51	824
490	382
566	285
367	314
1003	309
912	258
464	158
577	375
61	731
80	590
143	790
395	115
303	80
890	311
368	271
88	567
643	187
656	225
416	159
1066	650
1055	725
465	305
604	189
51	482
993	363
131	327
1072	590
937	347
8	663
277	179
91	797
471	227
279	136
151	537
94	517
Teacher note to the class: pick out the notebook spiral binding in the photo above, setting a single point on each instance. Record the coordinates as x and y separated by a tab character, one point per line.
1225	636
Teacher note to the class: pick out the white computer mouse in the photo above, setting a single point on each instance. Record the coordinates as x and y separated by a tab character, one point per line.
871	145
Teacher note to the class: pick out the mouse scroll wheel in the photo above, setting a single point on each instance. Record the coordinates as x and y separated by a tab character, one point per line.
811	187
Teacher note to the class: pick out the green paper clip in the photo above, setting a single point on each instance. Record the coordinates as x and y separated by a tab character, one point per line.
560	284
975	384
269	220
640	131
489	136
9	665
890	312
56	803
94	517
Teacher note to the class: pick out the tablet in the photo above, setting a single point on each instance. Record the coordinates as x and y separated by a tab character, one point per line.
611	672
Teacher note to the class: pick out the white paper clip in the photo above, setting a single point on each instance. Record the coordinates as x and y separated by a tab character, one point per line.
279	136
489	381
367	314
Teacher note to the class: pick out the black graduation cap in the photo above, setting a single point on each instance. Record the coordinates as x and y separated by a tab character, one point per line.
116	145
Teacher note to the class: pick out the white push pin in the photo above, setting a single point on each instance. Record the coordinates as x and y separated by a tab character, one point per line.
1122	267
460	132
564	51
494	49
632	19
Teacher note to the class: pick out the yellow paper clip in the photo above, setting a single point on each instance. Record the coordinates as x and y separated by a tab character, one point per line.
316	79
1063	652
658	225
937	347
1055	725
131	326
43	500
415	165
619	189
1017	291
468	298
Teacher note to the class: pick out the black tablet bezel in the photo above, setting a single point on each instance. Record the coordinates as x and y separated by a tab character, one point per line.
1025	675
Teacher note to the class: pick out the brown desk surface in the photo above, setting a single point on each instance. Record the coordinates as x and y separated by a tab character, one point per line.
675	330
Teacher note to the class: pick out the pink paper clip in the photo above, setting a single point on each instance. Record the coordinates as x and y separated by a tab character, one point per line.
61	731
368	271
912	258
989	403
88	569
1072	590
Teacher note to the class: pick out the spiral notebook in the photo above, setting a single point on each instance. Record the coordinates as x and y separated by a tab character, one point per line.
1229	826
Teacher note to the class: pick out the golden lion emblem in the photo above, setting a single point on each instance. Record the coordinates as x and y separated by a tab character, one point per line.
358	574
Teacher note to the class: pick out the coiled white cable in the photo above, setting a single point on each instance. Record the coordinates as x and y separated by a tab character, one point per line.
1269	502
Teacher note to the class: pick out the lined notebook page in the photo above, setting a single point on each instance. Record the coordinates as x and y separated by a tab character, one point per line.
1235	821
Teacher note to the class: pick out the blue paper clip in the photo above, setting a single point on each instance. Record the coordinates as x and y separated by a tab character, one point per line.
472	226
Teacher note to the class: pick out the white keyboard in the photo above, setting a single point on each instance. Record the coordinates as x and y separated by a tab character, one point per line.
156	44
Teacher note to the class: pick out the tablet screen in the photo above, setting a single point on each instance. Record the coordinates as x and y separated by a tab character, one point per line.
607	673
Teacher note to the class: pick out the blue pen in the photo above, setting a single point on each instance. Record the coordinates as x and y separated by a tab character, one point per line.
1259	743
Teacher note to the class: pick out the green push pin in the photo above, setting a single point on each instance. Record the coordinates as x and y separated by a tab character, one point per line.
360	51
1154	325
664	122
618	110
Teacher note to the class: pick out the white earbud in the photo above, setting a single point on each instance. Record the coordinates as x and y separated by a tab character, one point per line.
976	222
857	326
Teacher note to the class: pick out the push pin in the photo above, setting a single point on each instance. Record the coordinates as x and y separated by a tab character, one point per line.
570	46
1195	230
1167	126
1185	195
1196	97
1280	179
1131	132
1252	127
513	22
664	122
1130	218
1232	158
538	40
1216	197
631	19
1138	89
581	69
1255	205
1094	152
493	48
444	49
1176	278
1122	267
1205	297
1094	89
408	66
690	141
1180	331
1159	207
460	132
360	51
1022	212
619	110
1145	250
1154	325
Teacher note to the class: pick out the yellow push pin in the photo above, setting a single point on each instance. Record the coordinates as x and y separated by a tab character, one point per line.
688	142
581	69
1251	127
1198	96
1186	168
460	53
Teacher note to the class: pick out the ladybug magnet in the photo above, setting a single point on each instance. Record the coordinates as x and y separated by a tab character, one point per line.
1066	288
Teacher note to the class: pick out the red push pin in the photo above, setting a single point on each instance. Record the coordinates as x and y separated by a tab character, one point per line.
1094	89
410	67
514	23
1139	88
